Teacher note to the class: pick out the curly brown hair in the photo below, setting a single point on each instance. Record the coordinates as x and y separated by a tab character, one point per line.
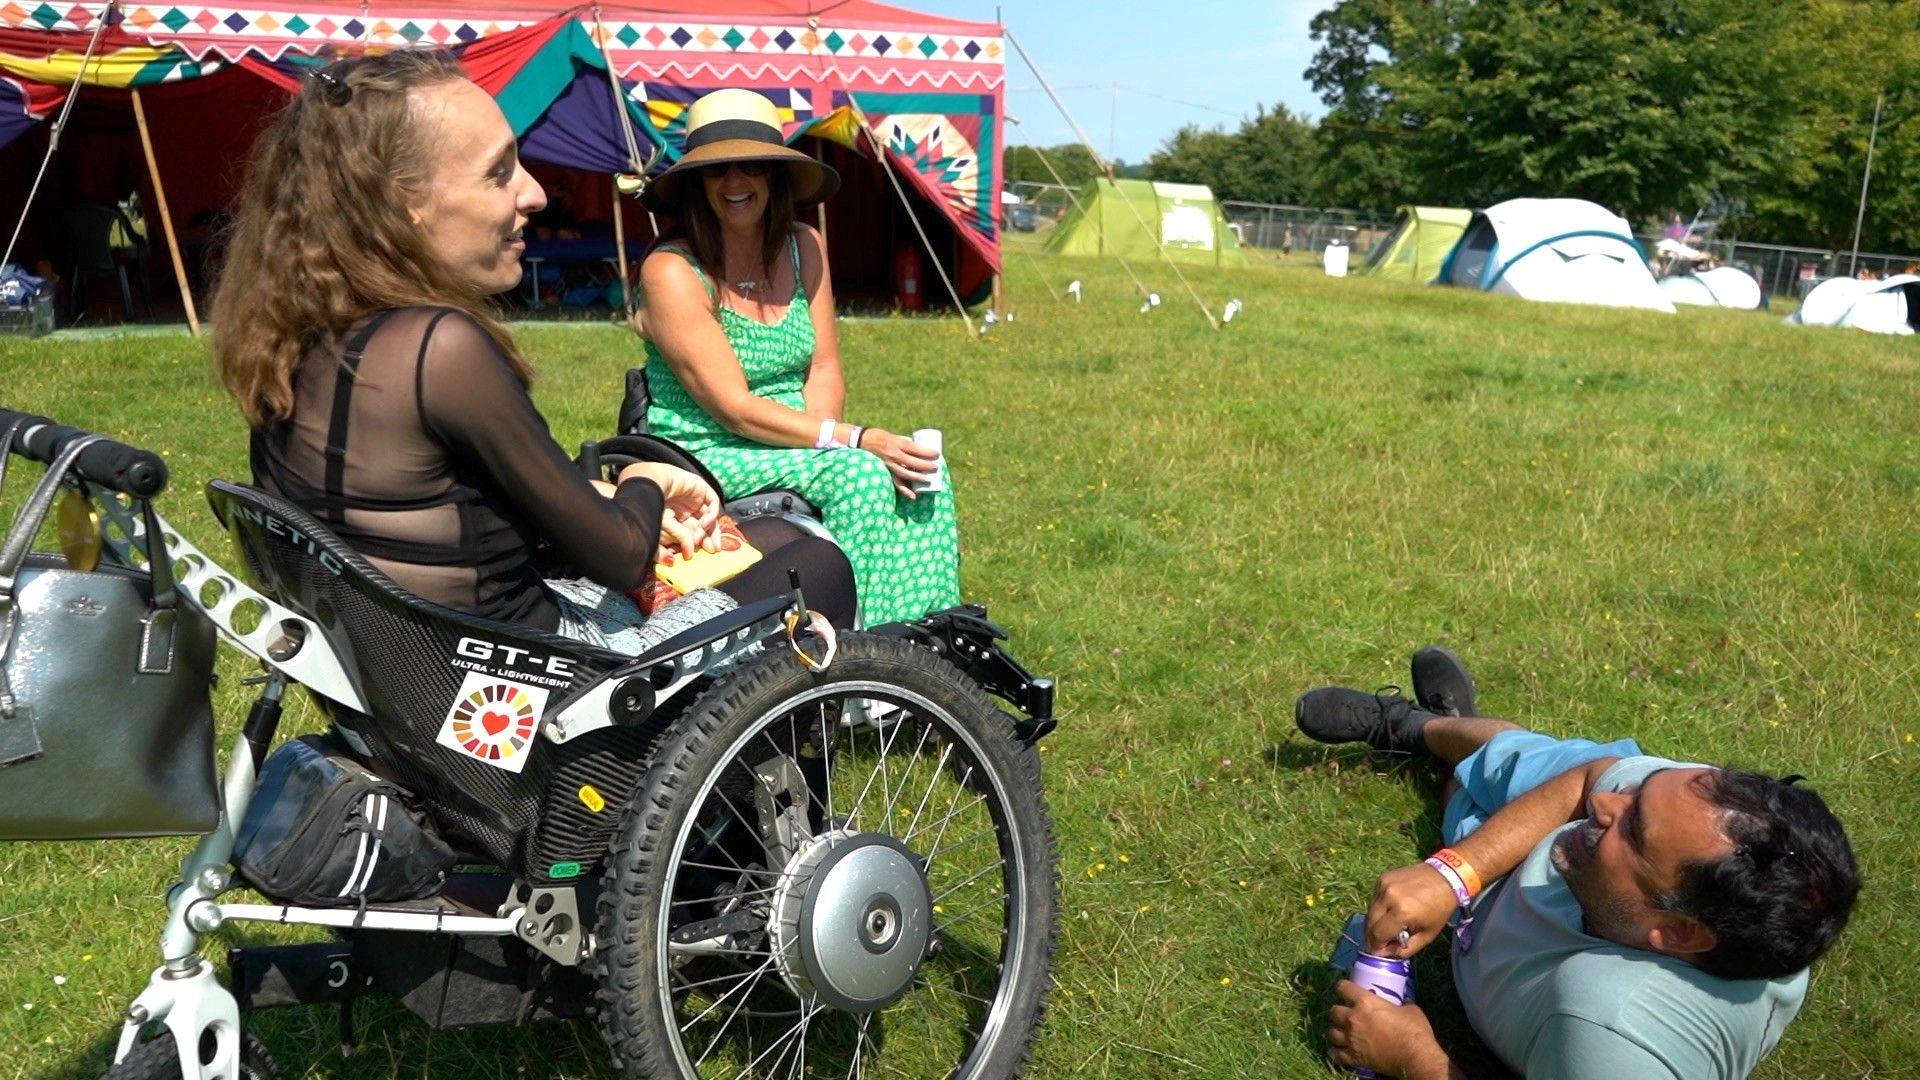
323	235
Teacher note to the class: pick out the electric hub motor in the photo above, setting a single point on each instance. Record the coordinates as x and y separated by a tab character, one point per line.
852	920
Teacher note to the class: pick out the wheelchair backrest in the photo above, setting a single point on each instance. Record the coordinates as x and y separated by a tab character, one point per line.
455	701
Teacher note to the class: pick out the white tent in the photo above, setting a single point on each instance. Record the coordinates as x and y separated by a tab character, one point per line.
1722	286
1567	251
1888	306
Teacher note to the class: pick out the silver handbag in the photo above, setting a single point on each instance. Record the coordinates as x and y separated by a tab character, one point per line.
106	720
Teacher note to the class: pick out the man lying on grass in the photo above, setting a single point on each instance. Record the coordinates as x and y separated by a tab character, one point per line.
1626	916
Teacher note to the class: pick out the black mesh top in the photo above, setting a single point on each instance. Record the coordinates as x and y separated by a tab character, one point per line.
417	444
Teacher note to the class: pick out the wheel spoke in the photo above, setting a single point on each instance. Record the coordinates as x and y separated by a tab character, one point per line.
827	733
737	869
741	895
717	1002
736	1008
968	880
966	914
799	1027
971	838
935	849
732	976
886	816
939	770
885	741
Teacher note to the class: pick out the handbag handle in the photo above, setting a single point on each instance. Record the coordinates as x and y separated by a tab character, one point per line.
6	448
27	524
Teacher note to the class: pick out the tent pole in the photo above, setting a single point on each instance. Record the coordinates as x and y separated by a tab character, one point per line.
166	219
620	251
933	256
1853	261
880	154
59	125
821	206
1042	275
1099	227
1151	234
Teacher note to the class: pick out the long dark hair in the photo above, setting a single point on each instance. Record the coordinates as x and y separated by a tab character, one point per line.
322	235
699	229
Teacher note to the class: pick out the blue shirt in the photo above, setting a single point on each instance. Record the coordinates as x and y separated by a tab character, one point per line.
1553	1001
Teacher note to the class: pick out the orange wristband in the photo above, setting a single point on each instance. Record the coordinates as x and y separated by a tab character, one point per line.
1468	875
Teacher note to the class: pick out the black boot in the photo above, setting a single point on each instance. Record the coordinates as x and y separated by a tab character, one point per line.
1384	721
1441	684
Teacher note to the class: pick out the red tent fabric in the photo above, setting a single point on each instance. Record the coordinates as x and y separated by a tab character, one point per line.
929	90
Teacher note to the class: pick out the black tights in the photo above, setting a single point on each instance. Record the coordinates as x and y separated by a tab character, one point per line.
826	577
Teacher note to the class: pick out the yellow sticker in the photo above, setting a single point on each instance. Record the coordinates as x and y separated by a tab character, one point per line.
80	539
591	798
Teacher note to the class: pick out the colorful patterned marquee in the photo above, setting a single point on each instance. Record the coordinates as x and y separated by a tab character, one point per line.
930	88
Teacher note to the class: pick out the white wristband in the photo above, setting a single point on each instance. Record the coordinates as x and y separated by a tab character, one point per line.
1454	881
825	440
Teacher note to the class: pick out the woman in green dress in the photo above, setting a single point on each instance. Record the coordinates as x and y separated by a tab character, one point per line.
743	359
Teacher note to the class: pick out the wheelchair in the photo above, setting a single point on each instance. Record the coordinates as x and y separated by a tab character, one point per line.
714	850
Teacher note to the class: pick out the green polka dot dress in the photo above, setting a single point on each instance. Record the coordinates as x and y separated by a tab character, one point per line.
905	552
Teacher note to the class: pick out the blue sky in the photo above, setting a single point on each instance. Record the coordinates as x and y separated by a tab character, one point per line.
1219	58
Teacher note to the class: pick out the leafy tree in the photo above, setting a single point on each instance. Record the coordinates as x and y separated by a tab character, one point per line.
1073	161
1269	159
1842	55
1641	105
1363	159
1193	155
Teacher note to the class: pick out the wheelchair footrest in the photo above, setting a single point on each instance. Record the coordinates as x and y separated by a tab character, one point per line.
964	636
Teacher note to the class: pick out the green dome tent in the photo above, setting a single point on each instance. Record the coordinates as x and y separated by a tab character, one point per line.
1418	245
1186	216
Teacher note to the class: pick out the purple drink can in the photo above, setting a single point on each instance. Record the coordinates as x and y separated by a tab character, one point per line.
1384	977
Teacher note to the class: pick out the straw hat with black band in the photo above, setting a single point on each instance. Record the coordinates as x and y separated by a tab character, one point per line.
738	125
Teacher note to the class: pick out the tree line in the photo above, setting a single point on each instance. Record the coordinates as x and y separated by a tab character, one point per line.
1761	110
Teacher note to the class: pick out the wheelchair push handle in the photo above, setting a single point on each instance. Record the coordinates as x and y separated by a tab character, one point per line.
107	463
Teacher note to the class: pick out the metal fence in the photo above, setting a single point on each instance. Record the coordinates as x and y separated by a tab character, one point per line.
1788	271
1781	270
1306	228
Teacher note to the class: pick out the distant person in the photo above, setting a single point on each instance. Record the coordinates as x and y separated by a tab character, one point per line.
1626	917
743	358
1286	241
1676	229
383	207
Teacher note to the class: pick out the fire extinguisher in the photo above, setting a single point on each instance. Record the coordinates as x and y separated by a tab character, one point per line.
908	279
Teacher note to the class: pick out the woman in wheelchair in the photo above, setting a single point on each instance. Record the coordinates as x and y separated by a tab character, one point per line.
743	361
381	210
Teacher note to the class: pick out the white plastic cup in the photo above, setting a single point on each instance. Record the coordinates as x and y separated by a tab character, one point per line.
930	439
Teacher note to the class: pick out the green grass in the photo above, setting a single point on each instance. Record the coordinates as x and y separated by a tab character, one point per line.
1695	529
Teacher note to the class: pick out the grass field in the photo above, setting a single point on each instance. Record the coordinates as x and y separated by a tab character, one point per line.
1696	529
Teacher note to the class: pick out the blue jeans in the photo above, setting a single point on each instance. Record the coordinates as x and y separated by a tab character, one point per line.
1511	764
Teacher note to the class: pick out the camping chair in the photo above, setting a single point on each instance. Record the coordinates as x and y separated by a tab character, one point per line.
86	234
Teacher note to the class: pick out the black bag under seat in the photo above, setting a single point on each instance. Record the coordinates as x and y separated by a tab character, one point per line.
322	830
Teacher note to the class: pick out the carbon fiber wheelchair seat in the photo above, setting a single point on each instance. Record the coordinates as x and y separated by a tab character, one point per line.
457	705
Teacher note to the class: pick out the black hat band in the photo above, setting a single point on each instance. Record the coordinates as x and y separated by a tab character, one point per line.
716	130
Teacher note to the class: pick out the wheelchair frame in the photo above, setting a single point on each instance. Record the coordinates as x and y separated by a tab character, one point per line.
185	994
